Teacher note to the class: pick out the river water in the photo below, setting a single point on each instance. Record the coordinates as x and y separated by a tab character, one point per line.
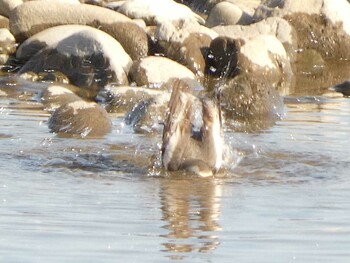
284	197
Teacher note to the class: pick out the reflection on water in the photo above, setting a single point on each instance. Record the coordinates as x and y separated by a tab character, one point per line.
191	208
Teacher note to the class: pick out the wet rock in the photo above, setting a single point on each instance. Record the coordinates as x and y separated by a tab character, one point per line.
265	57
129	35
343	88
190	53
35	16
81	118
153	71
222	59
322	25
178	31
122	99
148	114
6	6
89	57
54	96
226	13
154	12
4	22
250	76
7	45
275	26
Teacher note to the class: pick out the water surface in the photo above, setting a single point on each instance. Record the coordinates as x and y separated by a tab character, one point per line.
284	196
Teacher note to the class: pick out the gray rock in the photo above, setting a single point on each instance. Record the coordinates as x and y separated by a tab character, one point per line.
154	12
226	13
56	95
130	36
6	6
80	118
275	26
154	71
4	22
7	45
191	52
322	25
90	58
35	16
250	76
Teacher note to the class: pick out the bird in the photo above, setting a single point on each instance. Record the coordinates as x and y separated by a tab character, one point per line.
192	134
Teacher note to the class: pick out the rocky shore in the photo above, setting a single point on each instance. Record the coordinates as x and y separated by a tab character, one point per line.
85	59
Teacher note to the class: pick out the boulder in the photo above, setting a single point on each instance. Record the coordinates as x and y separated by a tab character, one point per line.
130	36
56	95
275	26
7	45
4	22
89	57
226	13
154	11
322	25
250	76
153	71
35	16
6	6
80	118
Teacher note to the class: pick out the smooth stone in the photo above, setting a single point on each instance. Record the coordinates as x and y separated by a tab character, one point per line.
128	34
178	32
190	53
6	6
135	41
90	58
80	118
155	11
7	42
335	11
248	6
35	16
4	22
275	26
152	71
56	95
266	57
226	13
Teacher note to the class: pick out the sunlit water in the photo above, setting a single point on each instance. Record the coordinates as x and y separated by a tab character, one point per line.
287	199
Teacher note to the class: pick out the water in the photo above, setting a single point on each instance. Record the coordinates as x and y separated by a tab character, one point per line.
99	200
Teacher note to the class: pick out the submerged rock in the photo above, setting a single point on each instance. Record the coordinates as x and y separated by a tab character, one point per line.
81	118
54	96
